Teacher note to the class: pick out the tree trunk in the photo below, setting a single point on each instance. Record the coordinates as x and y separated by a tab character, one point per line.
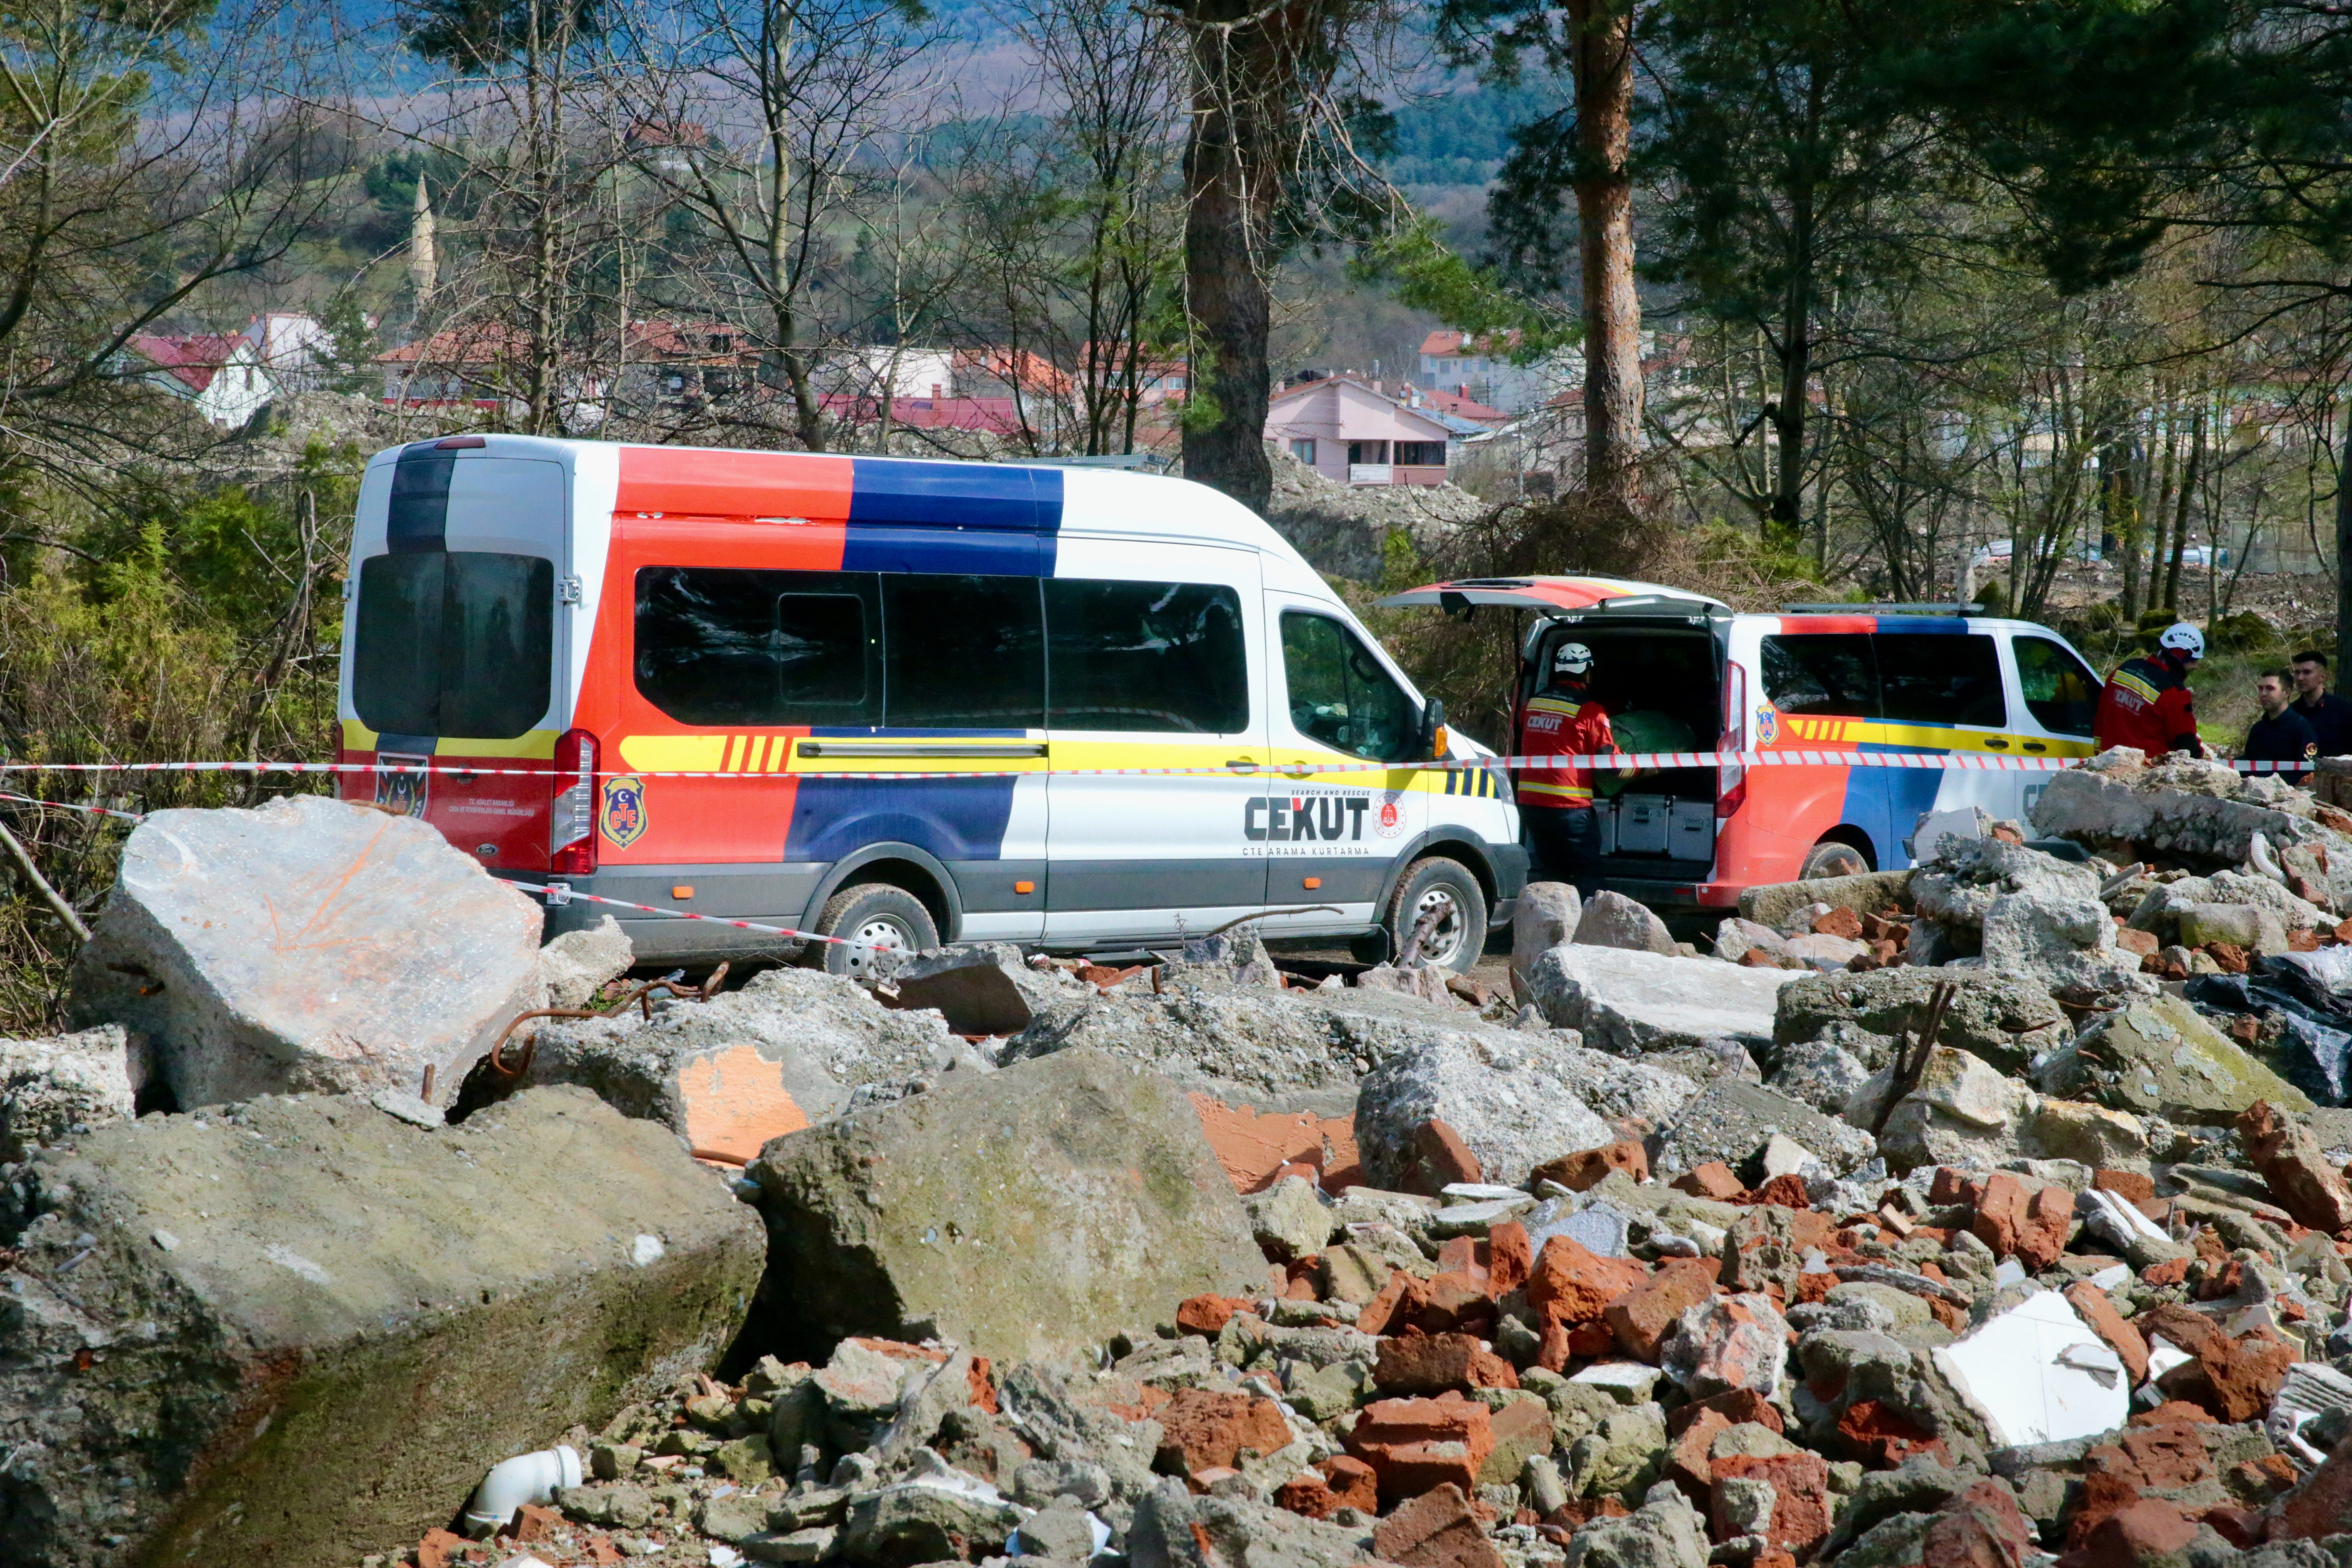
2344	549
2180	517
1230	180
1603	61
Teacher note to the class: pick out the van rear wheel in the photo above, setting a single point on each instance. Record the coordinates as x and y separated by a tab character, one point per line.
1831	857
867	917
1443	893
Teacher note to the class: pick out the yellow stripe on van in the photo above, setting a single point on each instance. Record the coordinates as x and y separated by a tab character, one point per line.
673	753
531	745
1806	732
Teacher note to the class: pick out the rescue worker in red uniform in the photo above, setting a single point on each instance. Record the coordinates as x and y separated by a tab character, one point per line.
1555	800
2146	702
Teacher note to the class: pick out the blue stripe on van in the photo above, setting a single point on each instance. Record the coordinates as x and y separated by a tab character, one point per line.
983	518
418	521
1951	625
954	819
1885	802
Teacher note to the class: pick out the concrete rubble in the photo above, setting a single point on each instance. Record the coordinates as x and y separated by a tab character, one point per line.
214	1328
1227	1260
308	945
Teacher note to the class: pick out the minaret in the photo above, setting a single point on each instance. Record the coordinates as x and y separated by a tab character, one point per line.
422	269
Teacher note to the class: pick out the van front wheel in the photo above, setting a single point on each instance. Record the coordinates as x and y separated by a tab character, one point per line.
867	917
1444	894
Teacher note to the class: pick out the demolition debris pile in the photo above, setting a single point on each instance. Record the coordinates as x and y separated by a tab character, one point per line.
1994	1212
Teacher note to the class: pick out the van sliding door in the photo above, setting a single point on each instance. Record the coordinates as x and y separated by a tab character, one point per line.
1153	657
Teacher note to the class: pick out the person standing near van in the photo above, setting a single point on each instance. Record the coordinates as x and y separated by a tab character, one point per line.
2329	716
2146	702
1556	800
2280	734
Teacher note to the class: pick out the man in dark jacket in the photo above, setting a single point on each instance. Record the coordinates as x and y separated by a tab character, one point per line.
2329	716
2280	734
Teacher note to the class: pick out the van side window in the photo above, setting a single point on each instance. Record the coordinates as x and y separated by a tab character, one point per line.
1340	696
1934	677
458	642
722	646
2060	691
1832	672
1144	655
965	652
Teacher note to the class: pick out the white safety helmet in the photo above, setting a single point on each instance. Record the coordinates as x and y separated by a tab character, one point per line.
1571	658
2185	638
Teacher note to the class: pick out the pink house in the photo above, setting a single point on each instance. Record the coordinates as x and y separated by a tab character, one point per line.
1346	431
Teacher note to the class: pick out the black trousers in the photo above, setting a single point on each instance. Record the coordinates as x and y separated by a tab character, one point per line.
1566	843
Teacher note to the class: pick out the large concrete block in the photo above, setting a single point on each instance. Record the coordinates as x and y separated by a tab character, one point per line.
1024	1213
306	945
1627	1003
2004	1018
1515	1099
790	1048
299	1332
2157	1056
1867	894
2197	810
53	1088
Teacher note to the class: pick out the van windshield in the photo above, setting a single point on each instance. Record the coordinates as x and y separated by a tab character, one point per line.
458	642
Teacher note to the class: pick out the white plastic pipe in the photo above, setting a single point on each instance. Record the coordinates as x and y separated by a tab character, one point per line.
526	1477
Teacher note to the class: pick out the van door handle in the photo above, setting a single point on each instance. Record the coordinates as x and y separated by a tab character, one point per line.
2035	746
1244	764
1996	742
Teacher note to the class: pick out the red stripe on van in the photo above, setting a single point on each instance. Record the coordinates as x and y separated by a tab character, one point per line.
674	479
1824	625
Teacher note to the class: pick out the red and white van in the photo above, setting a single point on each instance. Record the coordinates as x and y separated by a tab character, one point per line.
681	677
1679	671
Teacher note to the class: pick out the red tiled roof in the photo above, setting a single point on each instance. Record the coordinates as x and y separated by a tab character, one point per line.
193	361
1452	343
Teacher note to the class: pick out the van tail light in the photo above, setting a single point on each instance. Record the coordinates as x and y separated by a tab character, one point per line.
571	812
1731	778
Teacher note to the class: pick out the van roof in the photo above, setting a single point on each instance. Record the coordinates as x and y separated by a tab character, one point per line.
1093	499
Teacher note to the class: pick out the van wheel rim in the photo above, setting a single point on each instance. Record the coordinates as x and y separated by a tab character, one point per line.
1444	944
879	931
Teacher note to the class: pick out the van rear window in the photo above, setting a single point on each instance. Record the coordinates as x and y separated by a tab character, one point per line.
1831	672
458	642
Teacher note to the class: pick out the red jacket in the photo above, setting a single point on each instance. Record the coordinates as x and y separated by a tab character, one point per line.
1564	721
2146	704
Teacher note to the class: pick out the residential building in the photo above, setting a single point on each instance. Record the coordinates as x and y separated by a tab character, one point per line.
1351	432
298	349
669	363
1481	368
222	374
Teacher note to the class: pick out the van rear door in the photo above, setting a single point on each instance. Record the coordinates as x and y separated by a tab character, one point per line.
455	645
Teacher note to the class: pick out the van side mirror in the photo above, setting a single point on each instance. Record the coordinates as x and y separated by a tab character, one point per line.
1433	742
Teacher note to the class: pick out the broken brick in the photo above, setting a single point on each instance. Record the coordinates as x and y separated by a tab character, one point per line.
1201	1429
1587	1167
1643	1315
1577	1285
1712	1180
2092	1304
1435	1529
1414	1446
2287	1154
1801	1482
1431	1364
1511	1257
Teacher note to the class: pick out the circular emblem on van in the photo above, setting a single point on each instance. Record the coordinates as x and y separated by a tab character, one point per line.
622	818
1388	821
1767	725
